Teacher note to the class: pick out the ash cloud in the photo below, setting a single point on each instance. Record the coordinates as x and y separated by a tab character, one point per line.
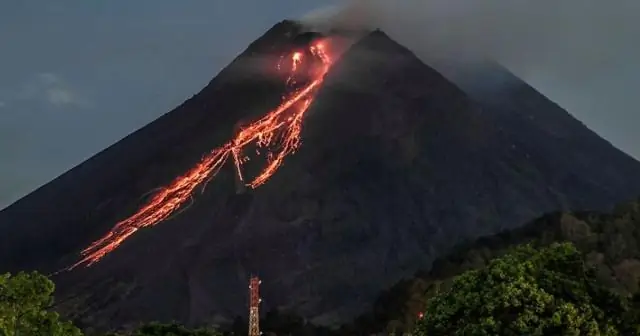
571	36
580	53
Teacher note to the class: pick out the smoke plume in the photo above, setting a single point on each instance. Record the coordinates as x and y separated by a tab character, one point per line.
581	53
571	37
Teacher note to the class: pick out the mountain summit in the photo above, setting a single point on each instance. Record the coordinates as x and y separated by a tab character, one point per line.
386	165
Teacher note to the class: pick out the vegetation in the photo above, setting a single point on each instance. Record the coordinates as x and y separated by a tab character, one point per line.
530	292
24	302
610	244
284	324
172	329
279	323
572	274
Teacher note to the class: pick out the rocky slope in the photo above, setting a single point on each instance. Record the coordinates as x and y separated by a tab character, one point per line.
523	113
398	164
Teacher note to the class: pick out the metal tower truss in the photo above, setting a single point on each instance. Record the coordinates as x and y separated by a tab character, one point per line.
254	306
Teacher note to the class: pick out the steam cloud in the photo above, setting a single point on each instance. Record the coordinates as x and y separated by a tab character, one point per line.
570	37
581	53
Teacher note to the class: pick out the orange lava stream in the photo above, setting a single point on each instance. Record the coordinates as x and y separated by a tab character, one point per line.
280	128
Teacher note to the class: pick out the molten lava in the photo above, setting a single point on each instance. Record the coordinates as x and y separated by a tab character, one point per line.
278	133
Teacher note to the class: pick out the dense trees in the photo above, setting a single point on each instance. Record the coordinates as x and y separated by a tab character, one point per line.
26	299
610	242
24	302
545	286
550	291
171	329
280	323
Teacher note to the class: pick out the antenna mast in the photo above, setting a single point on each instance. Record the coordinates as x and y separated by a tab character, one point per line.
254	306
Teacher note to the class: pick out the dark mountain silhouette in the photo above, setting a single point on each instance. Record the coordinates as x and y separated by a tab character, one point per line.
523	113
398	165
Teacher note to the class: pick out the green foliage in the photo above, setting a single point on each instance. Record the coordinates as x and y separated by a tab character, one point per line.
172	329
550	291
284	323
611	242
24	302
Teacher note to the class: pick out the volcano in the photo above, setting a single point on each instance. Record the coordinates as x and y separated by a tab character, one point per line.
329	165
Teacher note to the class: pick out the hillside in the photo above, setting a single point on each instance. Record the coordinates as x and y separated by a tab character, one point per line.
397	165
561	138
610	242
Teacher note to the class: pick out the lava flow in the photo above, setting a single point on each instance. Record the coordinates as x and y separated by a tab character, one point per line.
278	132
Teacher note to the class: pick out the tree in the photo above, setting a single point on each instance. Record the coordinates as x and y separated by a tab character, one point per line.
172	329
25	300
549	291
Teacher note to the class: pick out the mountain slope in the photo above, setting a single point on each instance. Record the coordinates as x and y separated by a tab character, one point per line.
563	140
109	181
397	165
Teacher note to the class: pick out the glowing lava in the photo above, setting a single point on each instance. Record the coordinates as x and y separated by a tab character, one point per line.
279	129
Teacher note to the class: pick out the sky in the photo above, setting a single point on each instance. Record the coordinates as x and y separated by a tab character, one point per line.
77	76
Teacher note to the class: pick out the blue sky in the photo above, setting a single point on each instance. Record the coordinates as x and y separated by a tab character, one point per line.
77	76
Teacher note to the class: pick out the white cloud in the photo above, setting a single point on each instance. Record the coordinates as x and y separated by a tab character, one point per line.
48	78
52	89
61	96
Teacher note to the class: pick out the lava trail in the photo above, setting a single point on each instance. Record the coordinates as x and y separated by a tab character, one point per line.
277	133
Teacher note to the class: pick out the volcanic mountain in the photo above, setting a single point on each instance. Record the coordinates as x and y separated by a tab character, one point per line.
396	165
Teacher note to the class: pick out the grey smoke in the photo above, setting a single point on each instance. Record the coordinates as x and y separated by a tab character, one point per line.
585	34
581	53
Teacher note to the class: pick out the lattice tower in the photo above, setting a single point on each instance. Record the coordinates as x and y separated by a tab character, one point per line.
254	306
